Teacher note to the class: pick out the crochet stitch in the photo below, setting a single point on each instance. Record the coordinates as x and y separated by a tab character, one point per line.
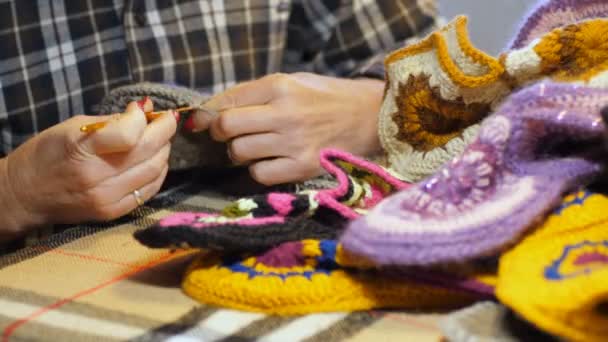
437	91
440	89
263	221
314	276
557	277
550	15
544	141
188	149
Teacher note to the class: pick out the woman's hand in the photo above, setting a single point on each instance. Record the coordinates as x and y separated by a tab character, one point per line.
65	176
278	124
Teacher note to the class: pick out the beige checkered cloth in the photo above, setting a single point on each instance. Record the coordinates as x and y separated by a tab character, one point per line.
95	282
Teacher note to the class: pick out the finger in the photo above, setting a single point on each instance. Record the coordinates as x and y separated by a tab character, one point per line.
157	134
117	187
200	120
278	171
121	133
128	203
257	146
252	93
247	120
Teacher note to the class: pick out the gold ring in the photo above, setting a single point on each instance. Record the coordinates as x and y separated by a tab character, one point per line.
138	198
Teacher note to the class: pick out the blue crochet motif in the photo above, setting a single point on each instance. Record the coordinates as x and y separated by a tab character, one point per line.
579	199
553	272
326	263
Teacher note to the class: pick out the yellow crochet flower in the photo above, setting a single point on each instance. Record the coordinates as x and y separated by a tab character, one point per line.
575	52
427	121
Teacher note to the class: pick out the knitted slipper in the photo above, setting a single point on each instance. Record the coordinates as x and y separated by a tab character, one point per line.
312	276
188	149
557	278
541	144
264	221
438	90
552	14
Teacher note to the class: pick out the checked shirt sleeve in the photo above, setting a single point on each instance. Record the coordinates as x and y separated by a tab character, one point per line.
350	38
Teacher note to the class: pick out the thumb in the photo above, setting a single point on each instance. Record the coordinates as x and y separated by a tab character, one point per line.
122	131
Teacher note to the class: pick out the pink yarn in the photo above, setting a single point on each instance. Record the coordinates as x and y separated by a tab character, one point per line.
281	202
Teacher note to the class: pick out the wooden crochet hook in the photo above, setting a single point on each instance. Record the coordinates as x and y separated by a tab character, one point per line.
150	116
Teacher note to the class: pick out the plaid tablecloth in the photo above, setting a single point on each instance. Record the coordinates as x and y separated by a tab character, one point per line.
95	282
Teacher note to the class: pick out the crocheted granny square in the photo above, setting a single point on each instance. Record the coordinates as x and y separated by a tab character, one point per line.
440	89
544	141
317	276
557	278
260	222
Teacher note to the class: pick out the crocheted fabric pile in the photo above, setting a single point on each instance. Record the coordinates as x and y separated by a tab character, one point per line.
543	142
439	90
264	221
484	182
493	146
318	275
277	253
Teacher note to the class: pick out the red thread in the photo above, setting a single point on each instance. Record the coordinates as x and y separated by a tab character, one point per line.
9	330
91	257
82	256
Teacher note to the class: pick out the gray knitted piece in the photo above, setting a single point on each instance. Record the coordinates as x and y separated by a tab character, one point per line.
188	150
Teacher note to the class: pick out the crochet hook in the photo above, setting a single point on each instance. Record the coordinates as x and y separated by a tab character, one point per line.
150	116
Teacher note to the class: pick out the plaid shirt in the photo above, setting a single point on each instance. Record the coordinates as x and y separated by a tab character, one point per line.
59	58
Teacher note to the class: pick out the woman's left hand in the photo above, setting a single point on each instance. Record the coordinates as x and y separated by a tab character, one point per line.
279	123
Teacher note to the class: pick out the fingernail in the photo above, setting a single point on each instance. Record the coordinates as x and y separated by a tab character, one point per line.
142	103
176	115
189	124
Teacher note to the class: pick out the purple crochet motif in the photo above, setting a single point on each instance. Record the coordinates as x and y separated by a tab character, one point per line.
549	15
543	142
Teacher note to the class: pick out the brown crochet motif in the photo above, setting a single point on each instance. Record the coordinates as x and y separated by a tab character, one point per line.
427	121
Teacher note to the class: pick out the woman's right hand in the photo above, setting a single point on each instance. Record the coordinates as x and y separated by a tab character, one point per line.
65	176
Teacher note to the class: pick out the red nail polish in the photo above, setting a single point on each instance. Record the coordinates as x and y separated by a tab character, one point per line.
176	115
189	124
142	103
